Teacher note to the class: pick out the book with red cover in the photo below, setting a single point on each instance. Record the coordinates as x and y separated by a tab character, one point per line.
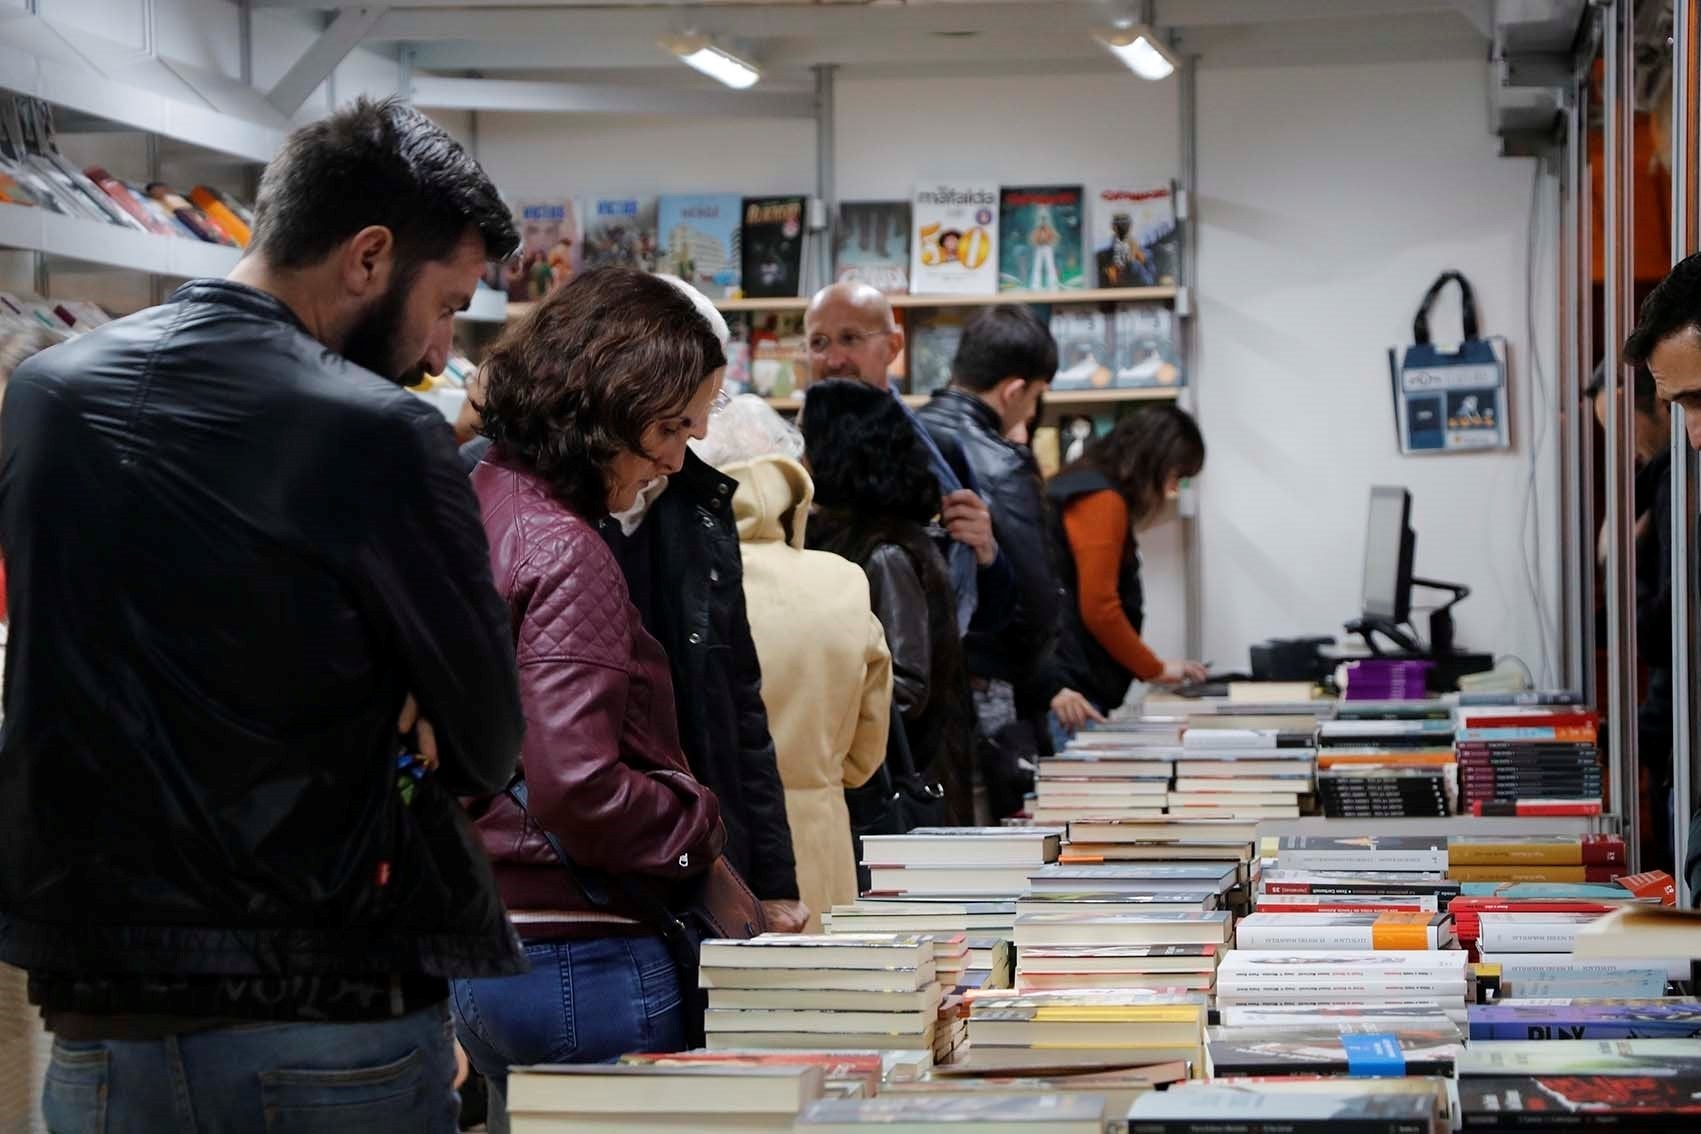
1569	718
1549	807
126	200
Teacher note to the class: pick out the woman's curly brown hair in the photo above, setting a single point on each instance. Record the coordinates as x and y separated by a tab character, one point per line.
579	379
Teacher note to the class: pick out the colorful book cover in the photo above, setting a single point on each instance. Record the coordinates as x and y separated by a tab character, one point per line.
1039	239
621	232
772	241
779	360
956	240
1136	238
872	245
550	235
700	241
932	345
1571	1102
1083	348
1143	351
1668	1018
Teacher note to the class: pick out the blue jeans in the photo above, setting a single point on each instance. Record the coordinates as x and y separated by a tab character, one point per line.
582	1002
386	1075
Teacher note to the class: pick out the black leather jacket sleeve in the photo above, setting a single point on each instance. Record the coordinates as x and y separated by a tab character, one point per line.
439	608
773	863
901	605
1019	523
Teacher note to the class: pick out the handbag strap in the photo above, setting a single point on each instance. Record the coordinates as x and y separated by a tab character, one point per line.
1467	307
593	883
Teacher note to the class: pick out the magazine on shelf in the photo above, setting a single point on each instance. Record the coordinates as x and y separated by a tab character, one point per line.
772	243
550	236
955	243
871	245
621	231
700	241
1039	239
1136	237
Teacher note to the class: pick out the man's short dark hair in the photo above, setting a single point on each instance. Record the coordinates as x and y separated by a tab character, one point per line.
1001	343
1644	395
376	163
1669	308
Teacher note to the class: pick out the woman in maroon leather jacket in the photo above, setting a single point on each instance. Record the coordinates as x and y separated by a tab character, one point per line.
588	398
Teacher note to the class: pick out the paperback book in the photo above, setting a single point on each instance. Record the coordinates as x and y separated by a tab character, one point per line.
621	232
872	245
772	243
1039	239
1136	237
701	241
956	239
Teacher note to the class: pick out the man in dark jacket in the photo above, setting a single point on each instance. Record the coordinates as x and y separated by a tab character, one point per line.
242	558
1003	367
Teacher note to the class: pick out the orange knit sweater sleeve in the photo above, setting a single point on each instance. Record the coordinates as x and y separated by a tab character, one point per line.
1097	527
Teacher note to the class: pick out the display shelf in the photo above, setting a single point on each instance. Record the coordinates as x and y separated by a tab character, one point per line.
1446	825
34	229
202	109
1095	295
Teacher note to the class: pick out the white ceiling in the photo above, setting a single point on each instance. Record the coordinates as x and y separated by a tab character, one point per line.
616	40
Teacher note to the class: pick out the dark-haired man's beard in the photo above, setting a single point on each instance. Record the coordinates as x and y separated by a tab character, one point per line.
373	341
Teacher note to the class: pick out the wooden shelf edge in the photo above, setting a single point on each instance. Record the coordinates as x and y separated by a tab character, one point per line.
1064	397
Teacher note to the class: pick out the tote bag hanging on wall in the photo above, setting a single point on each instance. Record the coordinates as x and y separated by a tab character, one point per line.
1450	401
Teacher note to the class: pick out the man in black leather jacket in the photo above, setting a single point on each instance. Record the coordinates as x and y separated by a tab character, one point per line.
1003	367
241	559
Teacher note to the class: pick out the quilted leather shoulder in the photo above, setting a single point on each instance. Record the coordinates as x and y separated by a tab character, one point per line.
565	591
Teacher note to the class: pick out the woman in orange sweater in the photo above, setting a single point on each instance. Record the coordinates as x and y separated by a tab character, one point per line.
1127	481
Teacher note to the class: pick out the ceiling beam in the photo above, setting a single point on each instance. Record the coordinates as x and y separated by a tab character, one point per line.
345	32
434	92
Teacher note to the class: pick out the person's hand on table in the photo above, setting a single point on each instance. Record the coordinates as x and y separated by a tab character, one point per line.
1073	710
1181	673
786	916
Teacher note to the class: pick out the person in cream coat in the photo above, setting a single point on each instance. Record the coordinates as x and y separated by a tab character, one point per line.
826	672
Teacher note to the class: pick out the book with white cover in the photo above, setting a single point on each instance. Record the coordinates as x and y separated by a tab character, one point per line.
954	846
1531	932
955	243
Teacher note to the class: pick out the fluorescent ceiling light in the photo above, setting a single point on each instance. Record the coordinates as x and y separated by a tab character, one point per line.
1140	50
720	65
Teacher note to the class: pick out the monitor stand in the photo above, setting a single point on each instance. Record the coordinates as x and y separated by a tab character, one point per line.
1450	664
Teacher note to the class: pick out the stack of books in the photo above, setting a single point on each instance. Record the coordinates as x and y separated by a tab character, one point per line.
922	1113
1120	1083
1232	773
1085	1027
1102	778
1627	1084
971	939
1362	1106
1414	983
1536	858
957	862
1369	1050
1172	839
794	991
1575	1018
1387	679
659	1098
1192	968
1389	765
1376	930
845	1074
1530	760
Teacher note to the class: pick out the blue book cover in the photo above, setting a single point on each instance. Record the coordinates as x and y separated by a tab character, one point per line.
699	241
1674	1017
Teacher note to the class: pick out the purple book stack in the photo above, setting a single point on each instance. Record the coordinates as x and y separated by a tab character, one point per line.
1385	679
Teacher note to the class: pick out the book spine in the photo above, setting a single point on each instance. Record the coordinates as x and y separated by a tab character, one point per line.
1537	807
1333	862
1529	937
1271	936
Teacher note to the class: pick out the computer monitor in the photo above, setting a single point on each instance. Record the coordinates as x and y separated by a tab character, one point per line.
1389	544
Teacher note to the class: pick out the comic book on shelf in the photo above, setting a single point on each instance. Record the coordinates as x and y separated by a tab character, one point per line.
1084	351
932	343
871	245
1143	350
772	243
550	236
1039	239
621	231
1136	237
955	246
700	241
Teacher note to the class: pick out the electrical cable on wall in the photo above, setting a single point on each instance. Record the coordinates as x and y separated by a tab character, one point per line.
1530	528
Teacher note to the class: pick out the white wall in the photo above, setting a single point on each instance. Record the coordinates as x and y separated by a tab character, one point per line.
1329	198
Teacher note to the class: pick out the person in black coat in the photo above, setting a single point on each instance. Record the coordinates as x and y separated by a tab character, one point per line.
877	502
